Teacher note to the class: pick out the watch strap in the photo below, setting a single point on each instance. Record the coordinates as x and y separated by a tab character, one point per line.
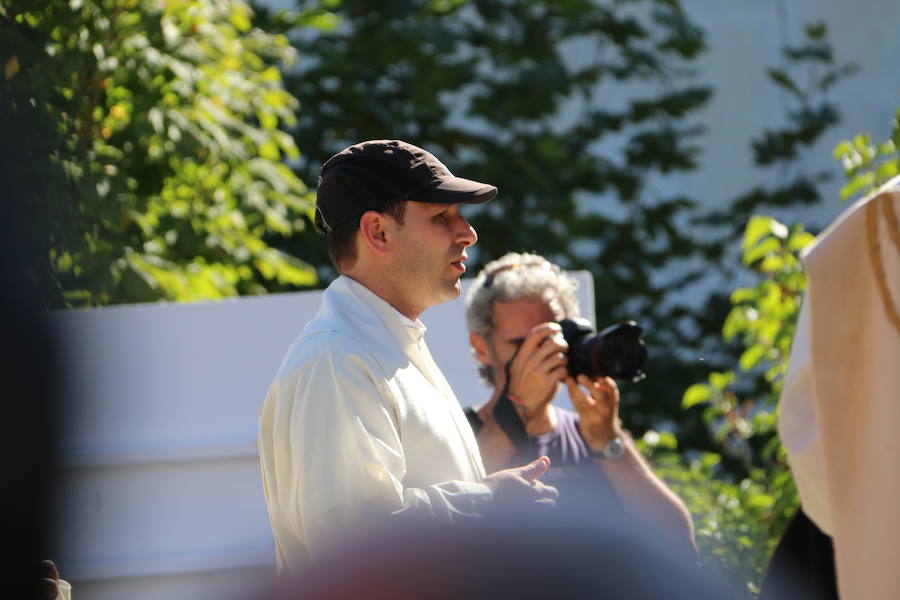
613	450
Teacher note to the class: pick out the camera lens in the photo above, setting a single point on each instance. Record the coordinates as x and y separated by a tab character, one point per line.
618	351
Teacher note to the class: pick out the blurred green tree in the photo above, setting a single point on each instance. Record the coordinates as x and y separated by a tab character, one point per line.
157	138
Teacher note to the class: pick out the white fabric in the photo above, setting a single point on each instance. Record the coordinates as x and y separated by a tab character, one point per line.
360	426
64	590
840	405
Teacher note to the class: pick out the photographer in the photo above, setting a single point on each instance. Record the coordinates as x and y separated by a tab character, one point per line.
511	312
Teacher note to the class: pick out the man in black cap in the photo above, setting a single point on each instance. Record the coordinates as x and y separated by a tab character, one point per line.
360	427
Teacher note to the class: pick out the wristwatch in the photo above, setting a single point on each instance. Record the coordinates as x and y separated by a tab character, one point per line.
614	449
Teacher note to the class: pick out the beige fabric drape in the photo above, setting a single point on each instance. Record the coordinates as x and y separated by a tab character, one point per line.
840	406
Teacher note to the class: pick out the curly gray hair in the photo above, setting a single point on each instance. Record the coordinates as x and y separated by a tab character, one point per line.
511	277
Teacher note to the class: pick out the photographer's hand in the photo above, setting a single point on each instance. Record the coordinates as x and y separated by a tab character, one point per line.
536	368
598	412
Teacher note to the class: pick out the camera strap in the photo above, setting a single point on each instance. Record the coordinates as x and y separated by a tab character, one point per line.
507	417
511	424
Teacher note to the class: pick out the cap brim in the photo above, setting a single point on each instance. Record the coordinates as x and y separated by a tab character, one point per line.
456	190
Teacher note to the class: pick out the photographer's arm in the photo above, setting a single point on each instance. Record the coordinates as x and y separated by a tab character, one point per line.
642	493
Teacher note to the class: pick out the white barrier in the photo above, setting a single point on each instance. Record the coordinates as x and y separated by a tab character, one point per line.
161	495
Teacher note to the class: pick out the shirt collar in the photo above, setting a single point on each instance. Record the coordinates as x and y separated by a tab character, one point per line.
416	325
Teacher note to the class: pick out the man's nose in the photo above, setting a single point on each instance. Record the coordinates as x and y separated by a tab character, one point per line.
465	234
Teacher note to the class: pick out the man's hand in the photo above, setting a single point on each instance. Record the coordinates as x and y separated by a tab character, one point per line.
519	487
538	366
49	580
598	412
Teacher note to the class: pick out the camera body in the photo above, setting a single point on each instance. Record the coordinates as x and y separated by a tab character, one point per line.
617	352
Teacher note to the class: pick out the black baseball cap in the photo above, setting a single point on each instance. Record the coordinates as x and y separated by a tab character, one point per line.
370	175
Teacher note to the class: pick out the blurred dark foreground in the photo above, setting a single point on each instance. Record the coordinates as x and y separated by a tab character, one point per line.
544	555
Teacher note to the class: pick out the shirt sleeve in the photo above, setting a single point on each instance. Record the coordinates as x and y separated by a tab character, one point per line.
339	459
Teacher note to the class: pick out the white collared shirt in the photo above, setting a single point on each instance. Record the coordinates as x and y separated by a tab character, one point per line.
417	324
360	427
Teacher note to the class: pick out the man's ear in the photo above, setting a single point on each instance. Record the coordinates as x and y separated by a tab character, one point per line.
480	346
374	236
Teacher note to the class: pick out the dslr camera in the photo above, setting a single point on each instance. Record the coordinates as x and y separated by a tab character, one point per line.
617	352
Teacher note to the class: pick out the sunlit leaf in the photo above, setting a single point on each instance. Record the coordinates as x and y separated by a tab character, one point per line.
696	394
11	68
757	227
751	356
720	381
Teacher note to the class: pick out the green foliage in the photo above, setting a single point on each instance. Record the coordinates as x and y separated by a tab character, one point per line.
740	404
159	136
740	512
737	521
867	165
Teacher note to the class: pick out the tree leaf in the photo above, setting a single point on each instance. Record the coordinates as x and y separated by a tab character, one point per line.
11	68
696	394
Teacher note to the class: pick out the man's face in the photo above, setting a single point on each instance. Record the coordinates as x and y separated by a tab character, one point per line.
430	252
512	323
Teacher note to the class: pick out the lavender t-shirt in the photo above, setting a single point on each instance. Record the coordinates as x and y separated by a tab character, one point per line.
573	471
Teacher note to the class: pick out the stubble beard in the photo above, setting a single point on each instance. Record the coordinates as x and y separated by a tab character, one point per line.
452	287
443	287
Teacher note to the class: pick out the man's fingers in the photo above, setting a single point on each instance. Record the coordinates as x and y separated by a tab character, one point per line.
539	334
535	469
548	353
546	503
602	389
580	400
545	492
575	393
587	382
555	361
559	372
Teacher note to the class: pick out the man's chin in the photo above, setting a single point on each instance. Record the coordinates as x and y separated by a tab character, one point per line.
452	291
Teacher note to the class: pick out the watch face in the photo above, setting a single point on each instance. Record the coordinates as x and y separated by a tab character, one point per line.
614	449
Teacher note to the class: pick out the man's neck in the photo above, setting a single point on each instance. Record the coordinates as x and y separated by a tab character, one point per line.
377	285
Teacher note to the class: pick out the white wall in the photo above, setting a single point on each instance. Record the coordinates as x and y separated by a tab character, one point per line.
161	491
745	37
